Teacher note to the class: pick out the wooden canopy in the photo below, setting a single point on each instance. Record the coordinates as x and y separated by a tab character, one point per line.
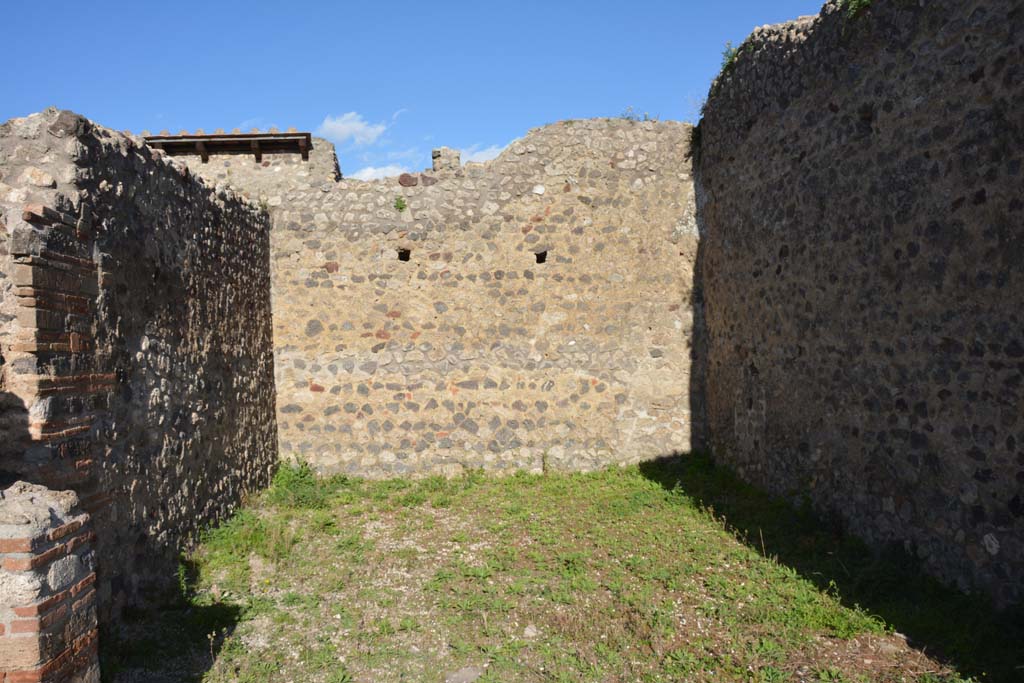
235	143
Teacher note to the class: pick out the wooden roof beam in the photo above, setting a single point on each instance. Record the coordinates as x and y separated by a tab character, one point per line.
257	144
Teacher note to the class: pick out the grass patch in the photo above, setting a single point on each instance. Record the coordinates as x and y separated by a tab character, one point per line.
298	486
888	584
669	571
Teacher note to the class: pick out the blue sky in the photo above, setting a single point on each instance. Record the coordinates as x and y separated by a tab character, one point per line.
387	81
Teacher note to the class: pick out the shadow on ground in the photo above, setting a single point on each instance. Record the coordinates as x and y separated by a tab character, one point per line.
963	630
178	641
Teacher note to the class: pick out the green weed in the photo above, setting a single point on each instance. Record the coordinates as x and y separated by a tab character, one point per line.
854	8
672	570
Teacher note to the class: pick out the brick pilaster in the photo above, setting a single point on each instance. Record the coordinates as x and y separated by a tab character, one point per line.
48	628
54	367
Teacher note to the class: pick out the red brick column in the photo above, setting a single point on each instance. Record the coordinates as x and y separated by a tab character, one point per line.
47	588
54	365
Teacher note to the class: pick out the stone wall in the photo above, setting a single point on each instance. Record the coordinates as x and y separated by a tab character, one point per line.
472	353
863	271
136	341
263	182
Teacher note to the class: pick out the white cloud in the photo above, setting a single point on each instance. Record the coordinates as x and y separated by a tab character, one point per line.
350	126
394	117
410	154
378	172
478	153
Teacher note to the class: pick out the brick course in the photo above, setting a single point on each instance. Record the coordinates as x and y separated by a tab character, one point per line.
47	632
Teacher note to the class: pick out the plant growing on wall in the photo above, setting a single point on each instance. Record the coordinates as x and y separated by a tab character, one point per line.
854	8
400	204
729	55
631	115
